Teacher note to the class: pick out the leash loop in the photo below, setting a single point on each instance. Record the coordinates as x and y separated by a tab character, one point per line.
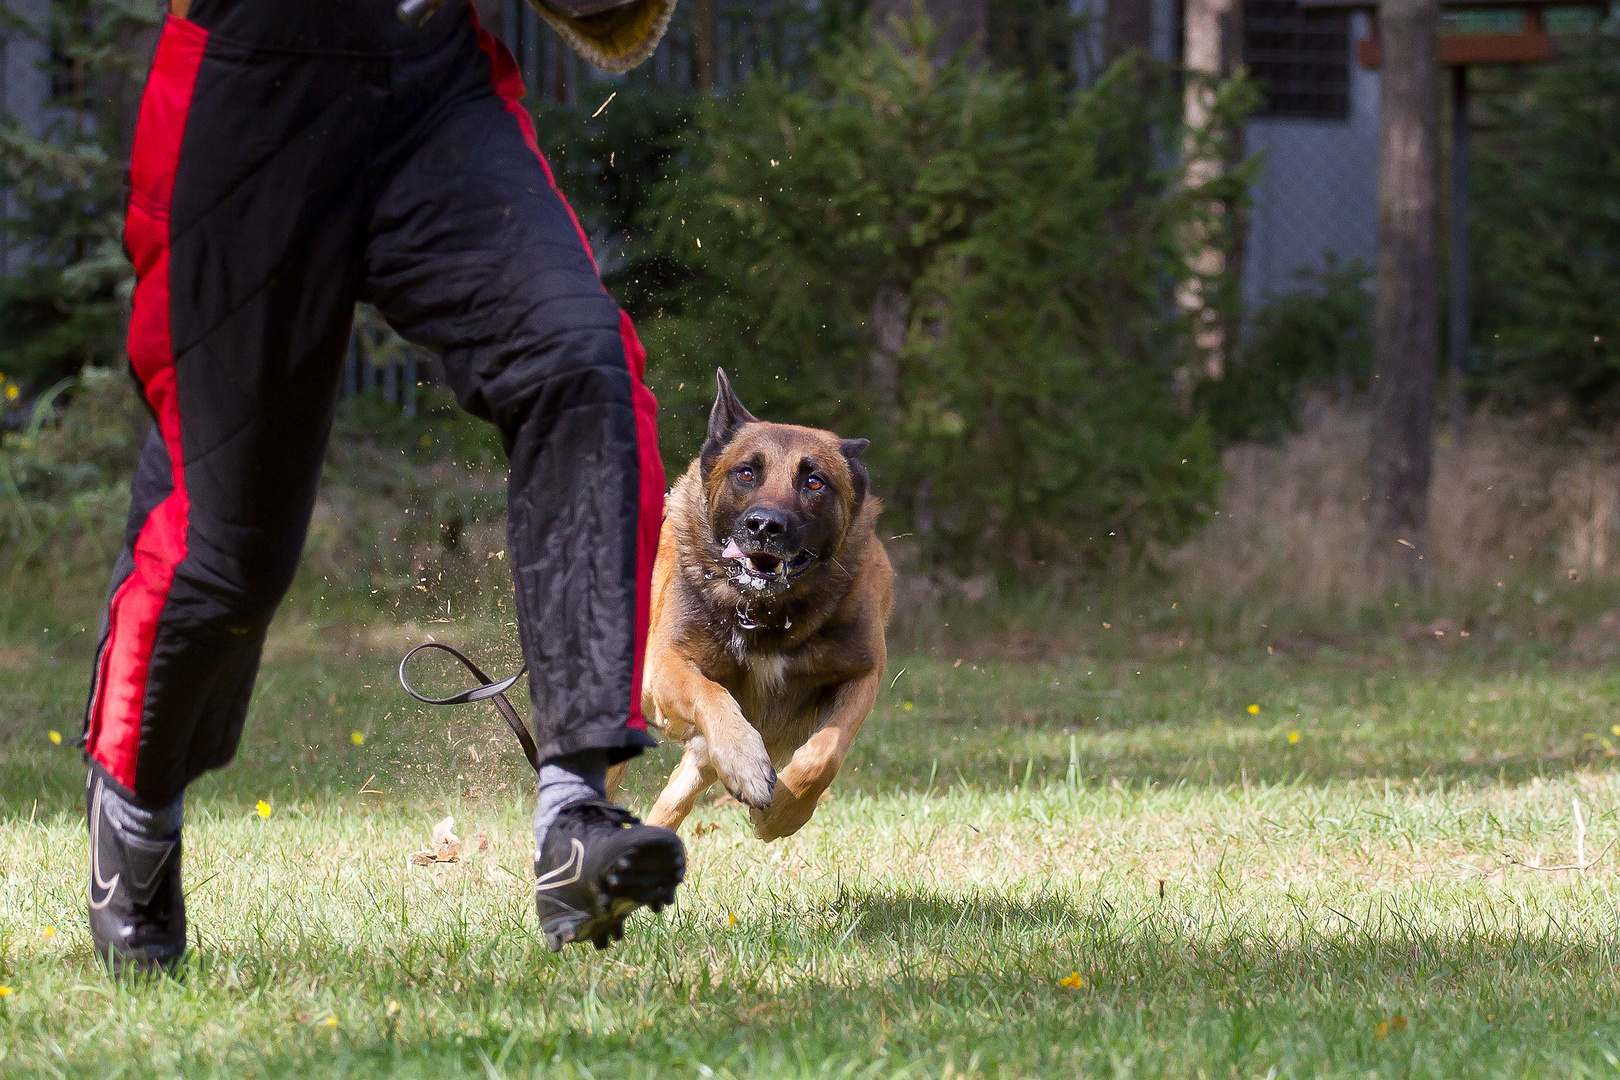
492	691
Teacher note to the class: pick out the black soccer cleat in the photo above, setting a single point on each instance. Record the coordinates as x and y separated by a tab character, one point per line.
597	864
137	909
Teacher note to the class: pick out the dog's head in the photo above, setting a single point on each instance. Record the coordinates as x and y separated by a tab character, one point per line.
780	498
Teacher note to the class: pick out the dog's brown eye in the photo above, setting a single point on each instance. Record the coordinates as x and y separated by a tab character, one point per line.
815	483
745	474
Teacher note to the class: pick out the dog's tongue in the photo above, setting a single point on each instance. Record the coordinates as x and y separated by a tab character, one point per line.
732	551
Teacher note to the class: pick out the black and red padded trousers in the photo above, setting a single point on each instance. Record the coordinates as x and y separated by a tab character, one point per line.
289	160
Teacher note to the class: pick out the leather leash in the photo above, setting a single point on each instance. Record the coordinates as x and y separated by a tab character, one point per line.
489	690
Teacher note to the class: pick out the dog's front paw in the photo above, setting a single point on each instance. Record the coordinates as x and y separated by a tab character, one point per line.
746	771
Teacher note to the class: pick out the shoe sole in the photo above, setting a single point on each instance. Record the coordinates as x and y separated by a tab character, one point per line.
643	876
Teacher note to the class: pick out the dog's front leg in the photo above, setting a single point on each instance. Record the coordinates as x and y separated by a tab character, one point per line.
736	751
690	779
814	764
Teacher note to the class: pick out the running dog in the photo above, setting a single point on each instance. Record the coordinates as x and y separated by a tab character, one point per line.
770	594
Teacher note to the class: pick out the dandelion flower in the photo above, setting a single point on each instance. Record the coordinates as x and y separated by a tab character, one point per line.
907	706
1072	981
731	919
12	392
5	991
1293	737
1254	710
56	737
1615	730
357	737
49	931
331	1021
262	808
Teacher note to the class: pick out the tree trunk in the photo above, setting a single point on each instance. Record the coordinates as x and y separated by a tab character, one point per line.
960	24
891	317
1408	318
1211	52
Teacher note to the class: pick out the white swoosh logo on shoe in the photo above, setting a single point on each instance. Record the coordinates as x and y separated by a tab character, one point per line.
576	863
96	880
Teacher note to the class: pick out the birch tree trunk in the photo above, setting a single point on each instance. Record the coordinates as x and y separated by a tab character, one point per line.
1212	35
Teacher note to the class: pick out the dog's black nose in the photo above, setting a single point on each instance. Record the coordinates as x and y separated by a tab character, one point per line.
765	524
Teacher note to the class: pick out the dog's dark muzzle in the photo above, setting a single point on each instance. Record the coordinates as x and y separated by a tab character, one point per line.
767	547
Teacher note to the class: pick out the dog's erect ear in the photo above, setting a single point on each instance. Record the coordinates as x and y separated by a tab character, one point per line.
853	449
728	413
725	418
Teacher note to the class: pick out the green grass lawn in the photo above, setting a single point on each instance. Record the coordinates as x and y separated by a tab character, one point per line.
1094	866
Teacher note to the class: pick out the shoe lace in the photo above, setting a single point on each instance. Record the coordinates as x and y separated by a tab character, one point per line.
600	812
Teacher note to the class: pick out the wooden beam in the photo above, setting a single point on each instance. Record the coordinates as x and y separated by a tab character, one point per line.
1527	47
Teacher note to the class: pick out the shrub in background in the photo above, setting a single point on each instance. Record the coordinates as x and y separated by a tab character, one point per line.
64	488
1547	227
404	501
970	267
1319	338
68	308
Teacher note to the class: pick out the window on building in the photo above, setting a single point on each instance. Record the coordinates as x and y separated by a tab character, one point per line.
1300	61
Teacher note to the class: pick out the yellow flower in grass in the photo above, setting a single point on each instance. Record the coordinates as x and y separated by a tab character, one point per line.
1254	710
1072	981
5	991
1293	737
262	808
1615	730
331	1021
49	931
56	738
357	737
12	391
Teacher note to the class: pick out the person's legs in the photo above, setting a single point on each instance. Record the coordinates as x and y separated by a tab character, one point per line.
475	253
244	229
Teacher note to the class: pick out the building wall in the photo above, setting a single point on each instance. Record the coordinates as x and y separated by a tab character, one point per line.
1316	194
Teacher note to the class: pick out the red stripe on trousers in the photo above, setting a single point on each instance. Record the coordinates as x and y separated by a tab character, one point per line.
508	83
132	618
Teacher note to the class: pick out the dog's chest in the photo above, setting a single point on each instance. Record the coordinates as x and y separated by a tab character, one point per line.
779	706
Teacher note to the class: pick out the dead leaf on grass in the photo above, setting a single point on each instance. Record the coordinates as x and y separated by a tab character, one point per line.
446	846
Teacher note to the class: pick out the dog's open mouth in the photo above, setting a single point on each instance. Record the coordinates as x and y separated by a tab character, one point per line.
764	564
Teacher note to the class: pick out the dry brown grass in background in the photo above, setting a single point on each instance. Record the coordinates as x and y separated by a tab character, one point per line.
1514	499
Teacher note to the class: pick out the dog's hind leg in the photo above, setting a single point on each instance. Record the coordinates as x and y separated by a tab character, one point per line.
615	778
690	779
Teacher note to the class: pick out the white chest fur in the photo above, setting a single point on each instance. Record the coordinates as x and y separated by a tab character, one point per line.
766	674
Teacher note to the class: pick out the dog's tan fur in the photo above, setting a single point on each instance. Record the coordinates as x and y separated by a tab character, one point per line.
750	683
